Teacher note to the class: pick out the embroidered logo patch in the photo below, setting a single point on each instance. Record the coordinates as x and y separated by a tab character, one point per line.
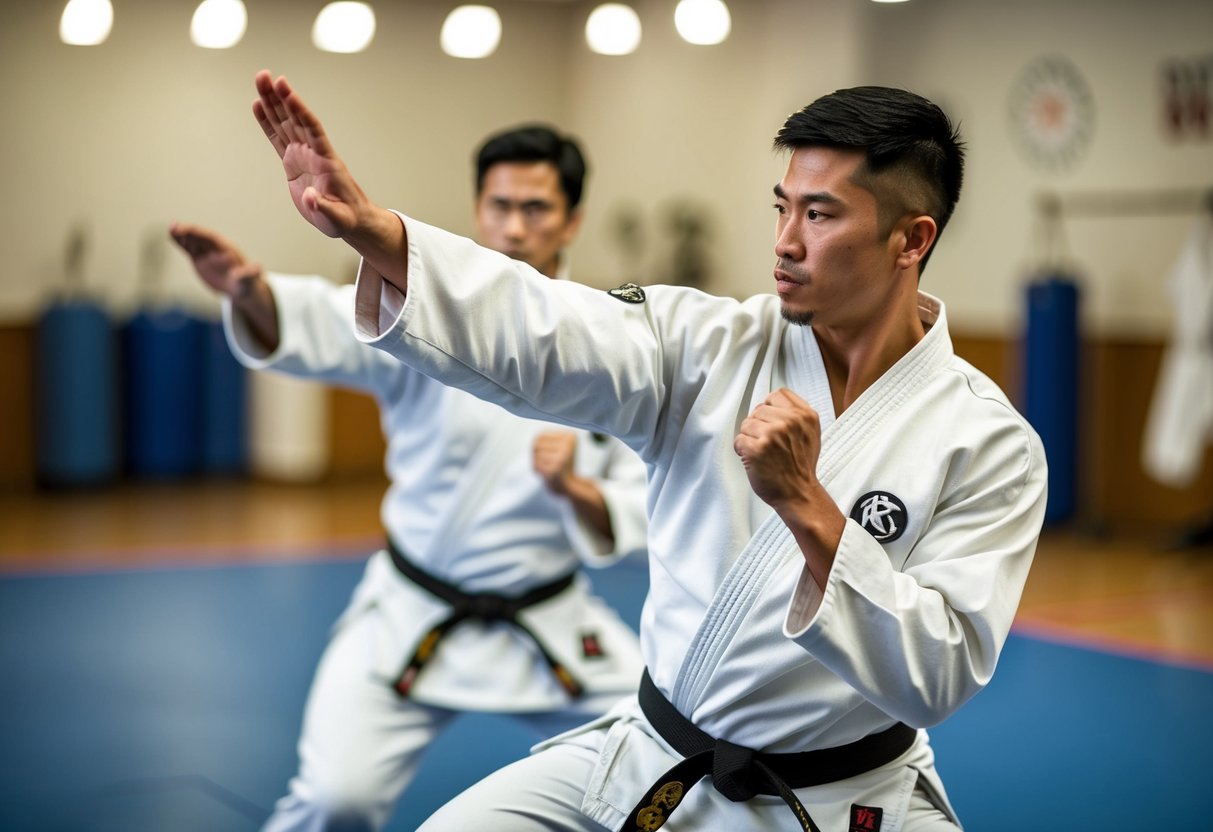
865	818
882	515
628	293
590	648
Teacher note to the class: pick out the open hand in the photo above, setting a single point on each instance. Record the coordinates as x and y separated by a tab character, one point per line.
320	184
216	259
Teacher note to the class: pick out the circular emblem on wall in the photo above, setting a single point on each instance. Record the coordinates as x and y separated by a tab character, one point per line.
882	515
1052	112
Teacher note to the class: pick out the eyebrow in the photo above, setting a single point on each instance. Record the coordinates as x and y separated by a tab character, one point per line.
805	199
521	203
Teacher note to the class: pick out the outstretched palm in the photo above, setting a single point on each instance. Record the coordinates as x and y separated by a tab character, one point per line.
320	184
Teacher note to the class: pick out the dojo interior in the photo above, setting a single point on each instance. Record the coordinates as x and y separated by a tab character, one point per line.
177	535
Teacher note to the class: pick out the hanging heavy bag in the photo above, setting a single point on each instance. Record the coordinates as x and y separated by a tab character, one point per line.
162	378
75	384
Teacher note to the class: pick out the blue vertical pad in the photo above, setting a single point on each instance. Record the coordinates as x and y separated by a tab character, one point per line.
163	389
224	400
76	398
1051	379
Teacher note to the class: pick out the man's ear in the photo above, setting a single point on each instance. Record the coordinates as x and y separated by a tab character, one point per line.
917	237
572	226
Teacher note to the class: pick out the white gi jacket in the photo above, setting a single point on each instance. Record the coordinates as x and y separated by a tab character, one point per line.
735	632
1179	426
466	506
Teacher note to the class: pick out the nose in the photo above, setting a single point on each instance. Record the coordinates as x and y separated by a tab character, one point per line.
515	225
789	245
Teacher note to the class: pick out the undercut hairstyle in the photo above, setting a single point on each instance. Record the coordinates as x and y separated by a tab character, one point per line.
536	143
913	155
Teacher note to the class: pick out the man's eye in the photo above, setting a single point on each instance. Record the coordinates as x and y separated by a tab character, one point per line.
812	215
778	207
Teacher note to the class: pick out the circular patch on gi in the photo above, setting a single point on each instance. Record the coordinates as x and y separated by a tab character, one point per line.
628	293
882	515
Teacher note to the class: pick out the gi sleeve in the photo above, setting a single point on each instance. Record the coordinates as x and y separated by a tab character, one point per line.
921	640
315	337
555	350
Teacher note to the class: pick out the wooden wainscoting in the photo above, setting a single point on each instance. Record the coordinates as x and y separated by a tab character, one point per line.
16	407
1118	377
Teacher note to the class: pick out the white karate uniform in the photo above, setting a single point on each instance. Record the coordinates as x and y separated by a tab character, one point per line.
466	506
1179	426
735	633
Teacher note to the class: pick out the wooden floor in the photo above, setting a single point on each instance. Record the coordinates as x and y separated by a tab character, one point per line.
1130	594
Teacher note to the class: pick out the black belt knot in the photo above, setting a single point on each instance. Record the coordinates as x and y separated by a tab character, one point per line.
486	607
740	773
479	606
733	771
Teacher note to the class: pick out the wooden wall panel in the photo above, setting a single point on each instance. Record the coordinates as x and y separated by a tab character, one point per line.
355	437
17	471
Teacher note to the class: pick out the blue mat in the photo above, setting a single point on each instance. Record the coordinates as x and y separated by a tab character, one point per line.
171	699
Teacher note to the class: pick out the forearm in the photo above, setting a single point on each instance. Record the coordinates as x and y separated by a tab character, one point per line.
254	303
588	503
817	527
381	241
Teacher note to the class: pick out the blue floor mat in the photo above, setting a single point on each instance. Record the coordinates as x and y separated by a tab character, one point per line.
170	700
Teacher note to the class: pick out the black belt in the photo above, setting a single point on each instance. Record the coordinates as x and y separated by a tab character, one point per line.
740	773
481	606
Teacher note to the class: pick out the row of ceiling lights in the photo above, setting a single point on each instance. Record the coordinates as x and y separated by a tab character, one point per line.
469	31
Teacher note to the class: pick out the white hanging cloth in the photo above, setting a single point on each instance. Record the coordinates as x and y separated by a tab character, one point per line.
1179	425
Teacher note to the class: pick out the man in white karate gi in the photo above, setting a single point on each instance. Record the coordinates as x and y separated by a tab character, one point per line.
477	603
842	512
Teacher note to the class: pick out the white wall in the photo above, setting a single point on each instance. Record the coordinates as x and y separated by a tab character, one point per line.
147	128
968	54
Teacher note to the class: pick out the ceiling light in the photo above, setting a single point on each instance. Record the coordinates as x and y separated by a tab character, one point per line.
218	24
471	32
702	22
86	22
613	29
344	26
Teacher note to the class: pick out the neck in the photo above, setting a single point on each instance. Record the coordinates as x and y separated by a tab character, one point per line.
856	357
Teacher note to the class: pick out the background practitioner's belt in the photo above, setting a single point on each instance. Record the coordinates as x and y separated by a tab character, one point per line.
739	773
482	606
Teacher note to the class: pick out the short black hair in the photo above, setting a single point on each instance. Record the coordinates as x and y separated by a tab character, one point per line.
536	143
900	133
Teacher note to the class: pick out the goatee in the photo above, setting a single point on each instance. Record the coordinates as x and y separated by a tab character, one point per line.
796	318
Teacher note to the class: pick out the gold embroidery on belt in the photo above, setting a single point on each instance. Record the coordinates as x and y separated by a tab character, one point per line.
653	817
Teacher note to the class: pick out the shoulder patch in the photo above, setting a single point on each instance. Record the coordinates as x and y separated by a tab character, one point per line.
882	515
628	293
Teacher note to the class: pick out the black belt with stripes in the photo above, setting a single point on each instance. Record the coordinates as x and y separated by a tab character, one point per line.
740	773
480	606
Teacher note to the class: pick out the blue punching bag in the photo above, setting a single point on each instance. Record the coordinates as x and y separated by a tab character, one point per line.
162	386
76	395
162	378
224	396
76	384
1051	379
